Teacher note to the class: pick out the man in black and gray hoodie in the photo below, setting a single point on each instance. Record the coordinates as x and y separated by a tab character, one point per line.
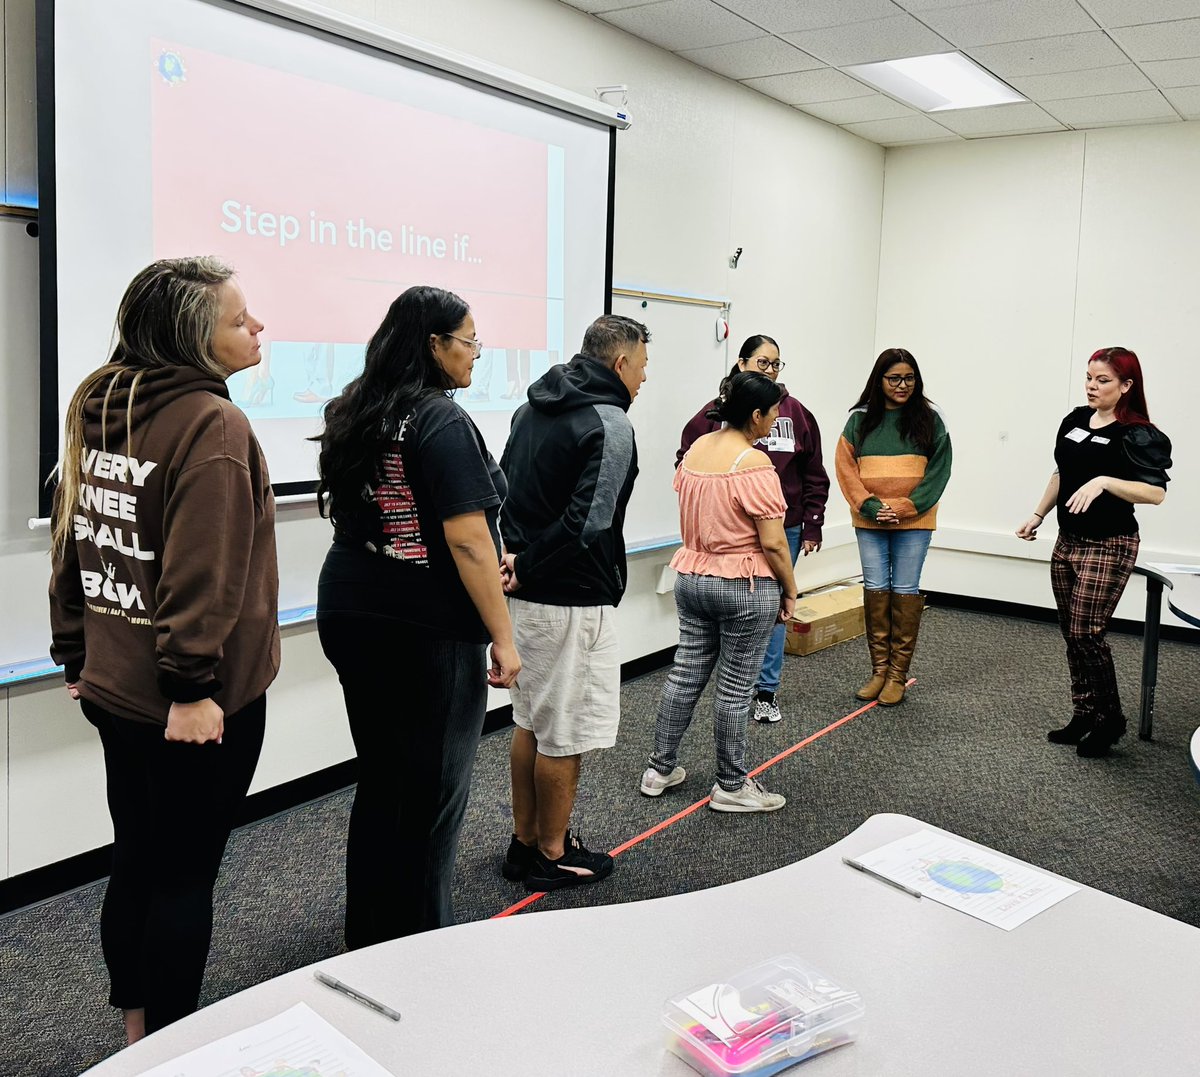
570	464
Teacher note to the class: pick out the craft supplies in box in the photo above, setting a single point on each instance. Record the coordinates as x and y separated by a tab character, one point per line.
761	1020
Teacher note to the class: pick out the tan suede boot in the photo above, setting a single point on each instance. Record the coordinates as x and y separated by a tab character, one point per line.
906	623
877	612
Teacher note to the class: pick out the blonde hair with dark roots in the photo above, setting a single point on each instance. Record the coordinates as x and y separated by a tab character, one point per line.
167	318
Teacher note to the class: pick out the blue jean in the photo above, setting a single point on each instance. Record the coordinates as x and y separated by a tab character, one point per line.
772	667
892	560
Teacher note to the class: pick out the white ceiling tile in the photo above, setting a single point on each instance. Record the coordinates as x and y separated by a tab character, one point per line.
683	24
868	42
1111	108
934	5
784	16
1049	55
1049	50
897	132
998	120
1173	72
805	87
1186	100
859	109
1133	12
1161	40
1122	79
594	7
752	59
996	21
1146	121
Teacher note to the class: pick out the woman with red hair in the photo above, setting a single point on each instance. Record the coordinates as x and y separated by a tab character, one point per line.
1110	457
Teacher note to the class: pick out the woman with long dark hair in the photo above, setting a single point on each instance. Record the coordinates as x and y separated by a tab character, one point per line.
163	605
735	582
793	445
1109	458
893	463
409	596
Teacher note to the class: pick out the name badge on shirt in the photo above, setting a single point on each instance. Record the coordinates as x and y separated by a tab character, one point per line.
776	444
1078	435
1099	440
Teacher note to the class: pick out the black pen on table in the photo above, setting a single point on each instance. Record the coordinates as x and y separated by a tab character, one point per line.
358	996
877	875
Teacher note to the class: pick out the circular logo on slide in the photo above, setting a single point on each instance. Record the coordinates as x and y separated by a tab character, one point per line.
170	66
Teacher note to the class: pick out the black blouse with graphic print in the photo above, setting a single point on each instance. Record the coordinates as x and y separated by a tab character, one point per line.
389	556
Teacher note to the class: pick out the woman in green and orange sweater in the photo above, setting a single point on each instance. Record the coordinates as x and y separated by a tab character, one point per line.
893	462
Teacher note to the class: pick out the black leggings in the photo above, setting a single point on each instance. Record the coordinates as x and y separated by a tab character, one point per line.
416	707
172	808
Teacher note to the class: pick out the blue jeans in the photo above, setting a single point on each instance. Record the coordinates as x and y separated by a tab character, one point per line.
772	667
892	560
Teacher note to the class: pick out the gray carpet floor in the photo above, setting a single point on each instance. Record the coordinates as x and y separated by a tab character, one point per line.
966	751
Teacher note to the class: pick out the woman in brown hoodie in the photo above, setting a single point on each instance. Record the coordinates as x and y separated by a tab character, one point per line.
164	605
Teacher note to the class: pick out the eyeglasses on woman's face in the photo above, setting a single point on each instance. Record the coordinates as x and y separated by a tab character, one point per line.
765	364
474	345
896	380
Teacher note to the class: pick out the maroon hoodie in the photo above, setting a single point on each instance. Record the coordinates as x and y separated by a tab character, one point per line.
169	589
794	447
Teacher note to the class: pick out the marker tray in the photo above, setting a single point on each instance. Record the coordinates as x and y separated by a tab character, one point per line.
761	1020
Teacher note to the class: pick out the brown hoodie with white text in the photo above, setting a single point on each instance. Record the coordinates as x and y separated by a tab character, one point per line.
168	590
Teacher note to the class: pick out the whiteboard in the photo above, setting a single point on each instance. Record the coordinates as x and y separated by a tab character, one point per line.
686	365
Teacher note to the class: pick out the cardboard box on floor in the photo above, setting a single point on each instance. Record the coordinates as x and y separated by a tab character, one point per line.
824	618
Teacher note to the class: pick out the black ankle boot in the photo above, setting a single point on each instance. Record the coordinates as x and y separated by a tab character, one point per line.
1097	742
1073	732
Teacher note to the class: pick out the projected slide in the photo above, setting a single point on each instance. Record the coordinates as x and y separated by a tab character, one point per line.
332	178
325	236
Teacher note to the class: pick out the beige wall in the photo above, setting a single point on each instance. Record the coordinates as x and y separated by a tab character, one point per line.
1004	264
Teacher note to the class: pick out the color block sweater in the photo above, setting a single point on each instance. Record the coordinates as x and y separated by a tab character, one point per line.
886	467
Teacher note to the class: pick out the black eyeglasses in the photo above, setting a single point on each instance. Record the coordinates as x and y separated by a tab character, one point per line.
765	364
896	380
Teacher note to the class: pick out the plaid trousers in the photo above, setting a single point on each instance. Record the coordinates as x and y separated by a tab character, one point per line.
723	625
1088	577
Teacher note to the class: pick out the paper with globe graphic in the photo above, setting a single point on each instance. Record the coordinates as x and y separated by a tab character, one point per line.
296	1043
977	881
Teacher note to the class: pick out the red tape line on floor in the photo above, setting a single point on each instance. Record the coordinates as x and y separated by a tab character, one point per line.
525	902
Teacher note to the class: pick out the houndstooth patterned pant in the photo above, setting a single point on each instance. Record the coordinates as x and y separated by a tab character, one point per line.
1089	577
723	626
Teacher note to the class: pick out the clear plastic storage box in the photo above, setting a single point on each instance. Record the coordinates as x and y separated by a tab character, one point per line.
762	1020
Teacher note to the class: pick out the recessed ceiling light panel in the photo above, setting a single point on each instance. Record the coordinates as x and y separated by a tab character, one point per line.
937	83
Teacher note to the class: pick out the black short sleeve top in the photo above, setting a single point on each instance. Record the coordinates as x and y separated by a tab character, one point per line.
1135	452
390	557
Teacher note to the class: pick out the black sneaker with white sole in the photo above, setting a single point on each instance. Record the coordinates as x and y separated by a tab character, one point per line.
576	867
518	860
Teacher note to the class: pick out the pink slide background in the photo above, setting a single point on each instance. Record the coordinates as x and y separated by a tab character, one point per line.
284	144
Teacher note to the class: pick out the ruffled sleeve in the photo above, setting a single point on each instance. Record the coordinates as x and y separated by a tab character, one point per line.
1147	455
760	493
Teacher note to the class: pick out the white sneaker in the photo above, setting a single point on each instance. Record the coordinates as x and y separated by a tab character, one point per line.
767	712
654	783
751	797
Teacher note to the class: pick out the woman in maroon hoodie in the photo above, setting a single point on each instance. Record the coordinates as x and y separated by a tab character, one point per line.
794	446
163	605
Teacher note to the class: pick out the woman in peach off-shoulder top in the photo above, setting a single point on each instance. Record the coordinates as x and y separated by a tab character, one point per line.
735	583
